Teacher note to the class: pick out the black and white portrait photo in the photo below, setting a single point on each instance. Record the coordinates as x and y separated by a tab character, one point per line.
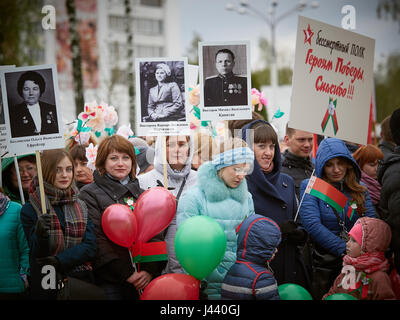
31	103
225	77
32	116
161	88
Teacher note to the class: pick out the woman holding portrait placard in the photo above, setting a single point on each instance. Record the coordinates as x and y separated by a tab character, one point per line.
63	237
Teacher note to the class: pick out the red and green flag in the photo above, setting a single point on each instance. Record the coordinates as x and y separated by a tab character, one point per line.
326	192
149	251
352	209
330	114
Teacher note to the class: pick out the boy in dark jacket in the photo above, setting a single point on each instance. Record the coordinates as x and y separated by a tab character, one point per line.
250	278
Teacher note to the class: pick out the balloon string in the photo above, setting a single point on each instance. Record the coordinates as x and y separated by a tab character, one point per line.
137	268
133	264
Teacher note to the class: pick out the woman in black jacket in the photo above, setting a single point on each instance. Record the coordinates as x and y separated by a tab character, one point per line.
274	197
114	182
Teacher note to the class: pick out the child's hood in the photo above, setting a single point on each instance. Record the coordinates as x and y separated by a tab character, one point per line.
257	239
376	234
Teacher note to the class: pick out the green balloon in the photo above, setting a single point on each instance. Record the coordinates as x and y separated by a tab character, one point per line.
340	296
200	245
291	291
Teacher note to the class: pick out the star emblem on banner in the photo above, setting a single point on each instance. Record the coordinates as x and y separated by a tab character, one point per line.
308	34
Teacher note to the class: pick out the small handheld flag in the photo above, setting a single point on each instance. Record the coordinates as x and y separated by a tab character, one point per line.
326	192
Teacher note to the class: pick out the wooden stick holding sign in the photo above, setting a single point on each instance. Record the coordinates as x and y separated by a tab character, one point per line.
40	178
164	152
226	130
21	191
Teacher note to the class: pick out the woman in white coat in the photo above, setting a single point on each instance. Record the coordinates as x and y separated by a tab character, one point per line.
180	178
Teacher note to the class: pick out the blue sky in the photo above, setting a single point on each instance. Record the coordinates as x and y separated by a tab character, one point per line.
210	19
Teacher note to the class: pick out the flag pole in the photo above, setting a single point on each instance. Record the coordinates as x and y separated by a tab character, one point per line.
302	198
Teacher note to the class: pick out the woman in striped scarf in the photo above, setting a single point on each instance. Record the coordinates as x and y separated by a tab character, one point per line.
64	236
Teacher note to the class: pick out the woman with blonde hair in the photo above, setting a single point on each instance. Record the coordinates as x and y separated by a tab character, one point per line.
221	193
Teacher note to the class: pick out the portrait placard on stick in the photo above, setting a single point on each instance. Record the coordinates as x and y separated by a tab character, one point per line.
32	115
225	81
161	96
332	81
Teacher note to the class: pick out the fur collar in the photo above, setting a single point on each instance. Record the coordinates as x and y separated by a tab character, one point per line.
215	189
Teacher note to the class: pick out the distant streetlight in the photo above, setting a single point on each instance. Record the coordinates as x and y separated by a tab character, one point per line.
271	20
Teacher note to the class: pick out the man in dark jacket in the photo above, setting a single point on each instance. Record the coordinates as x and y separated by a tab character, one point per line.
296	160
389	178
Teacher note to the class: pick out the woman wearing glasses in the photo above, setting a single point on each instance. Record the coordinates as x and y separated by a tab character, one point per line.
64	236
221	193
27	170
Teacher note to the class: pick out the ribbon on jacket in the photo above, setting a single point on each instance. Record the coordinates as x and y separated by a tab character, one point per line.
330	114
362	285
352	209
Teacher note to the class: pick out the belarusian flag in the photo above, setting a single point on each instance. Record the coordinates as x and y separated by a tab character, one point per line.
326	192
149	251
330	113
352	209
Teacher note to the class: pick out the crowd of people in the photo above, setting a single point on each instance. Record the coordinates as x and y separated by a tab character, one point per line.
276	231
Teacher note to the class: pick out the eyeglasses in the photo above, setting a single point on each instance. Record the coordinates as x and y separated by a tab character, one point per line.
30	169
241	171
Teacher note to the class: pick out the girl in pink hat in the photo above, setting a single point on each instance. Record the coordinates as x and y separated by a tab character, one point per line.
364	273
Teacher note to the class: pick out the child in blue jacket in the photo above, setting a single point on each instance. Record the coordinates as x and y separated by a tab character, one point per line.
250	278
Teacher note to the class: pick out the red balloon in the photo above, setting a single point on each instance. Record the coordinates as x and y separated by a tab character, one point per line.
172	286
119	225
154	210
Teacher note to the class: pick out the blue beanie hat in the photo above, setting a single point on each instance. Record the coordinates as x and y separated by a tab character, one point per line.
232	157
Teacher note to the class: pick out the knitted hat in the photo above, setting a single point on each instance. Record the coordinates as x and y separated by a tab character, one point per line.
232	157
357	233
395	126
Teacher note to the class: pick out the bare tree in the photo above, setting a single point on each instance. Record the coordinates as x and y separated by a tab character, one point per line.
76	55
389	9
20	29
129	44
